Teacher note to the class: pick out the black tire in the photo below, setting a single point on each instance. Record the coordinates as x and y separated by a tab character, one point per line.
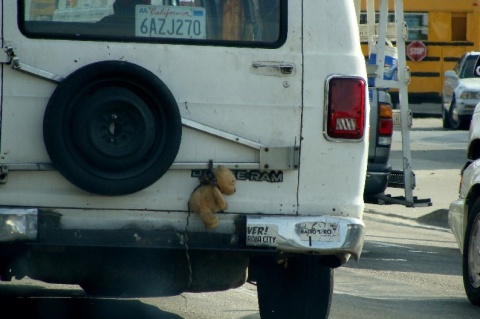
445	121
471	255
112	128
456	122
301	288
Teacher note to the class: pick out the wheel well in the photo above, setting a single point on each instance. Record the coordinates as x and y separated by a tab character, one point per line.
471	198
474	150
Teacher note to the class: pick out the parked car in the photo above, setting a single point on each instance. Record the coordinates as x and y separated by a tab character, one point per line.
461	91
380	138
464	213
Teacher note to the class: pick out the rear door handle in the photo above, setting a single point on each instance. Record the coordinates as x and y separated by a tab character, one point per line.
282	67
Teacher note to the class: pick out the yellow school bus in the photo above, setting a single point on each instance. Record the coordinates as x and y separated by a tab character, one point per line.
447	28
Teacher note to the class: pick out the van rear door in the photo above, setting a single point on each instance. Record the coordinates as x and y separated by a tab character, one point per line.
234	69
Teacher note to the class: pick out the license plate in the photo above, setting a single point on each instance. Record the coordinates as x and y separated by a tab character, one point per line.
170	22
319	232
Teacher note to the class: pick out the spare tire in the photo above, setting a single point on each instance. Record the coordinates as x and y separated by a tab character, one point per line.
112	128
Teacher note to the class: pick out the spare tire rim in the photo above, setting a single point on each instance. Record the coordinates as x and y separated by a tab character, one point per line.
114	129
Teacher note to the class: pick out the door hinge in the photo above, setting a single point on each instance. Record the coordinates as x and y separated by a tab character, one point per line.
3	174
5	57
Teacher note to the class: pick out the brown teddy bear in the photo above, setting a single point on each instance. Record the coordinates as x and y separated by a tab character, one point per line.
207	199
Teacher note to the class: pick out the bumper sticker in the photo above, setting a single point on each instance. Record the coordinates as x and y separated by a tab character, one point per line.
323	231
262	235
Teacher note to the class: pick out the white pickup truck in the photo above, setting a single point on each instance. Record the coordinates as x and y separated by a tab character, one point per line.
107	123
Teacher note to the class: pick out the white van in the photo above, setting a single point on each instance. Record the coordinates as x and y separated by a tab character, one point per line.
111	110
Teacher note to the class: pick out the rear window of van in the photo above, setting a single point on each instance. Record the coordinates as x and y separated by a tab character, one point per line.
247	23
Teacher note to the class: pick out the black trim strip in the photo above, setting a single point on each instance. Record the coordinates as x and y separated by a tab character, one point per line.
416	98
448	44
451	59
424	94
425	74
427	59
437	59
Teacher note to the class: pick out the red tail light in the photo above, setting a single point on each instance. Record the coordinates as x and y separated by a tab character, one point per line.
345	108
386	120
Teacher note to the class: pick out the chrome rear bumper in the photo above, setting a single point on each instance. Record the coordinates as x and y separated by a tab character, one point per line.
324	235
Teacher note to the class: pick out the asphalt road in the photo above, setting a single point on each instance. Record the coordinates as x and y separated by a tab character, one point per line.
410	266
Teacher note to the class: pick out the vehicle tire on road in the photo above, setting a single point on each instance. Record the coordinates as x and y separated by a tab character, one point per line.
471	255
445	119
112	128
127	272
456	121
298	287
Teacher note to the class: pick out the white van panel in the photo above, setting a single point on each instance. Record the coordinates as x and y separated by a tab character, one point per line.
331	173
214	85
46	189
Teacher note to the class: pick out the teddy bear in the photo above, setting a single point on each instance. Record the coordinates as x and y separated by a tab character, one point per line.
207	199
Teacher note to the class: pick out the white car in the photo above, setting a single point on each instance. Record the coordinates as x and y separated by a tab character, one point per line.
461	91
464	213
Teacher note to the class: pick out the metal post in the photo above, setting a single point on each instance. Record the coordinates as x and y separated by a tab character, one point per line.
403	79
370	24
382	35
401	83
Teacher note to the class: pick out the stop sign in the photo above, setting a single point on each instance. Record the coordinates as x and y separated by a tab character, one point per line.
416	51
